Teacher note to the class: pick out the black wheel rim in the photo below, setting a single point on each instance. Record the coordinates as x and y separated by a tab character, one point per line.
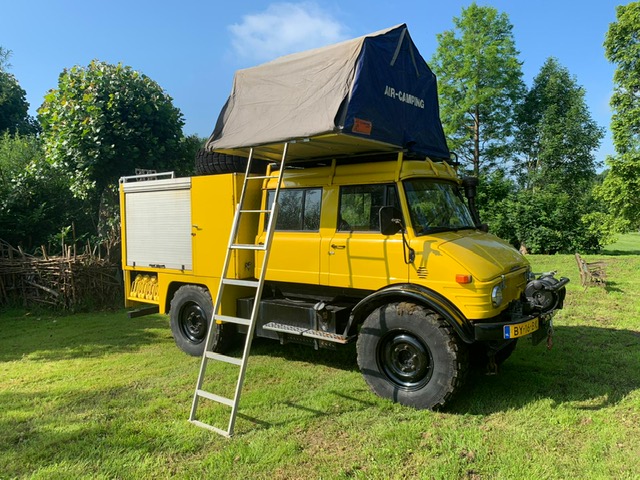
405	360
193	322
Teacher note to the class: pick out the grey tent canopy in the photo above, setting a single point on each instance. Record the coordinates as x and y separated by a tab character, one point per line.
371	94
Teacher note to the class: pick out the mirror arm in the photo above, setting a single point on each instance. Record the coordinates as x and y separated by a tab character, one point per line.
405	245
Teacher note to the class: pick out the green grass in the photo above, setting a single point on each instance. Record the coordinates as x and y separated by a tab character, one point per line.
627	244
104	396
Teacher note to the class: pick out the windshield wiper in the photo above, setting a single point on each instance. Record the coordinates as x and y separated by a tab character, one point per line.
447	228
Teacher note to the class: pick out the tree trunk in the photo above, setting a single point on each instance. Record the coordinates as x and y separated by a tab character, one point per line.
476	141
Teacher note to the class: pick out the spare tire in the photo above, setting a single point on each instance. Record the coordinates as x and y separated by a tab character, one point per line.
212	163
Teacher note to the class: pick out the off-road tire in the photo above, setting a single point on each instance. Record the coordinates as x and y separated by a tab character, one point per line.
213	163
409	354
190	314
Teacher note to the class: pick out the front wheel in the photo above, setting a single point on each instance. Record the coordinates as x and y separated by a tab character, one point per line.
190	314
409	354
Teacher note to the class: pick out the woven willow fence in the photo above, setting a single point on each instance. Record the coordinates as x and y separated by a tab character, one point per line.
68	281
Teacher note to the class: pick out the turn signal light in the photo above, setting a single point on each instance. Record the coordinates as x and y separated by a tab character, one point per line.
463	278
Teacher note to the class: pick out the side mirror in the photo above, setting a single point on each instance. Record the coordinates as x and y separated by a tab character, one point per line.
390	220
470	185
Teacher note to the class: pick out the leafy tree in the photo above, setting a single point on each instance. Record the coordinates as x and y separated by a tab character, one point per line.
495	190
104	121
35	201
14	108
621	187
549	221
4	59
189	146
556	135
550	209
480	83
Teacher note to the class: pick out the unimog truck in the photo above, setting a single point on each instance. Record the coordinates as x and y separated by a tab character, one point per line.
377	240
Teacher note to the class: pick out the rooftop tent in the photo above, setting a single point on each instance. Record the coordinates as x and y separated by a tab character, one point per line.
371	94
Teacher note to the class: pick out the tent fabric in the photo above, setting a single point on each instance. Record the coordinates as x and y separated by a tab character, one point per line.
377	88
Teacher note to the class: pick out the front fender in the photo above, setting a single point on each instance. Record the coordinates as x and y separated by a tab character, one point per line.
409	292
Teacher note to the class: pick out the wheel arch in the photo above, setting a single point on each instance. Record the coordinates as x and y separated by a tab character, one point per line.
417	294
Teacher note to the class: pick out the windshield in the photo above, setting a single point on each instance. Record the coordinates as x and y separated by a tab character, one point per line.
436	206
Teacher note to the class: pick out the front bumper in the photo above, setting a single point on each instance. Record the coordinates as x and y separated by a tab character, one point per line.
484	332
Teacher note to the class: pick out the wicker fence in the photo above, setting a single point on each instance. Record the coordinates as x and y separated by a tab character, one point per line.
70	281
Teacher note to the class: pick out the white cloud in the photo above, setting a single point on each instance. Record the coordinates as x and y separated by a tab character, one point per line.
284	28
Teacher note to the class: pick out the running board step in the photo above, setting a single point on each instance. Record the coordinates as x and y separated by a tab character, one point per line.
306	332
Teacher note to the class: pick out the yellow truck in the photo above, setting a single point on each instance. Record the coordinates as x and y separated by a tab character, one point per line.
376	241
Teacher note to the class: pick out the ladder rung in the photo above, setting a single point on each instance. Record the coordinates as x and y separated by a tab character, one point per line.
211	427
259	177
241	283
223	358
215	398
228	319
247	246
256	211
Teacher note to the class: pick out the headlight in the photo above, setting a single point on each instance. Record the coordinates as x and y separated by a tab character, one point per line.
496	295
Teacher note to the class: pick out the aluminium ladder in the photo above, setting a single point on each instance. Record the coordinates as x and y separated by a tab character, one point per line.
220	317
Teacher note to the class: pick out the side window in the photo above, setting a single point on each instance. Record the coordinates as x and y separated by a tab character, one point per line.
299	209
360	205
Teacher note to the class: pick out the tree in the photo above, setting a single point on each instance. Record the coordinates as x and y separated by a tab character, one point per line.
35	201
621	187
551	208
480	83
4	59
104	121
550	221
556	135
14	108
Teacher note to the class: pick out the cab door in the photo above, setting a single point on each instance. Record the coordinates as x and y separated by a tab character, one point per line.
295	249
359	255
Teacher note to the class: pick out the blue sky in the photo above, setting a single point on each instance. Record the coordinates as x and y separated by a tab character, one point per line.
192	48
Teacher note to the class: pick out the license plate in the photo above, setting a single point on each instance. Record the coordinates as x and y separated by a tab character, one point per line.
521	329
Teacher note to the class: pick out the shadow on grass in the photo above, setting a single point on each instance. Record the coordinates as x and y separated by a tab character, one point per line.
42	337
343	357
589	367
612	287
619	253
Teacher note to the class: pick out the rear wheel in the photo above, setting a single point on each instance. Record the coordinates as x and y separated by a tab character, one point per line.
409	354
190	314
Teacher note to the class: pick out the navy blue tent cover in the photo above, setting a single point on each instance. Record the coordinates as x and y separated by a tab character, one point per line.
373	93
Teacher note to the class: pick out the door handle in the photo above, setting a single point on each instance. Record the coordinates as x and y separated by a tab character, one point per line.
338	247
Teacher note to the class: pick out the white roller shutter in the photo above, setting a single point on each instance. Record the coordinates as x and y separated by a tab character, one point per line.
158	224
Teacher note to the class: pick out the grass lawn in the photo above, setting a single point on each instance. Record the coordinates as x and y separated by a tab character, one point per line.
627	244
103	396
